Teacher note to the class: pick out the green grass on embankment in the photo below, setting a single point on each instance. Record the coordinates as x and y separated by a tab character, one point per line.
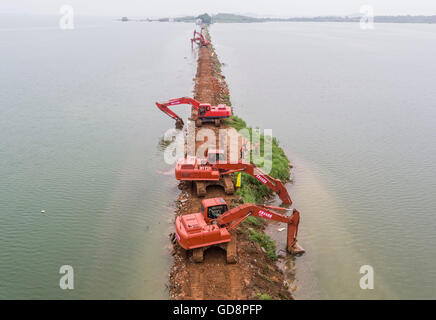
253	228
251	189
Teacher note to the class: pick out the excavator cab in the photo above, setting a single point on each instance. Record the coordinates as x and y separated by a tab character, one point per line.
216	155
213	208
204	108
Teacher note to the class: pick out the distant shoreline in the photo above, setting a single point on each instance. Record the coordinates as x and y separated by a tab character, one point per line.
233	18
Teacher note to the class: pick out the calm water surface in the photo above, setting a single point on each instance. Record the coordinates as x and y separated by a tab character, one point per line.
80	135
355	111
80	139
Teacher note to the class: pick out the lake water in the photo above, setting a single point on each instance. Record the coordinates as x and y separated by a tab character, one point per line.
81	136
355	111
80	139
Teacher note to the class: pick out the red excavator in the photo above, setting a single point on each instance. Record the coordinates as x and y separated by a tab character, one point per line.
215	170
199	39
211	227
204	111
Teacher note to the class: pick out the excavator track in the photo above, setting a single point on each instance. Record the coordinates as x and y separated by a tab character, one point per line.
226	183
229	187
198	255
200	187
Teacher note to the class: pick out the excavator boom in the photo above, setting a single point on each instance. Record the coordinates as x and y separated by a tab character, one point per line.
164	107
274	184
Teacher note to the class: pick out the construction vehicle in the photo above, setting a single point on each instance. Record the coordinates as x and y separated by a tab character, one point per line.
215	170
212	226
199	39
204	111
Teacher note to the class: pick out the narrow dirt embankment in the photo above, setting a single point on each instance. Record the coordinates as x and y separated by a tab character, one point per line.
254	276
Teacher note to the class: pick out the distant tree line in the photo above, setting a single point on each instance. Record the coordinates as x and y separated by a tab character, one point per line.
229	18
205	18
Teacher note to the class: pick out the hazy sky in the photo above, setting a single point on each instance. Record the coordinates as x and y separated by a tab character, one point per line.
159	8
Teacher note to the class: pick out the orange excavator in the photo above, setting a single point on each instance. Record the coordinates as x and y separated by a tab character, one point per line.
215	170
204	111
199	39
212	226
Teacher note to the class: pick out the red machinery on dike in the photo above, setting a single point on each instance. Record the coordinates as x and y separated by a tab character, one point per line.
199	39
204	111
215	170
212	226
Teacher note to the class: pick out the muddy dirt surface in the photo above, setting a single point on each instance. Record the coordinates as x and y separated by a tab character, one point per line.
254	274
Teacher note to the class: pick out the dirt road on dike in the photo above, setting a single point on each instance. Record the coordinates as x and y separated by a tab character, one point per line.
253	274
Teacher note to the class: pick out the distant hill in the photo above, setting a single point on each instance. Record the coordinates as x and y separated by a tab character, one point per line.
235	18
229	17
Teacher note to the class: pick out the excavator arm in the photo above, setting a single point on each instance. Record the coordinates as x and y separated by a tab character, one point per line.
199	39
274	184
164	106
235	216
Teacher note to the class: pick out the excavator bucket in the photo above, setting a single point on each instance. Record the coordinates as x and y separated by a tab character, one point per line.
179	124
292	245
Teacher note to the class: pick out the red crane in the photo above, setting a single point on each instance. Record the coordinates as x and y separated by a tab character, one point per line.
205	112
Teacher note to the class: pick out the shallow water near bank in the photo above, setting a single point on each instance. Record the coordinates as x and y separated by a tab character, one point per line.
354	111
